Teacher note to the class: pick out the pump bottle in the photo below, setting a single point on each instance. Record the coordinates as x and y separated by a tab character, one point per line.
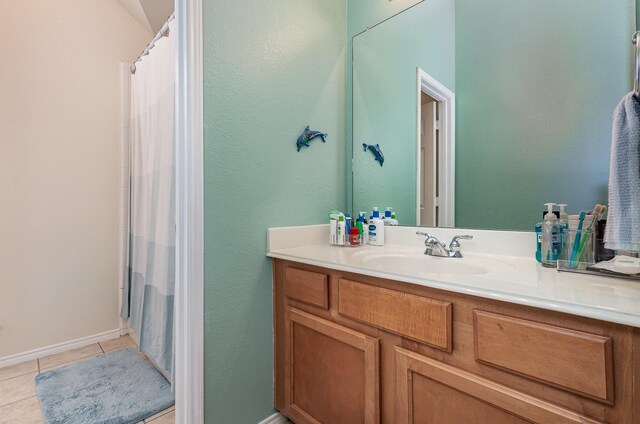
550	238
376	229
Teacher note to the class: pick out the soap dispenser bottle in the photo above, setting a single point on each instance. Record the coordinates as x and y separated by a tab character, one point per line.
564	218
550	238
564	224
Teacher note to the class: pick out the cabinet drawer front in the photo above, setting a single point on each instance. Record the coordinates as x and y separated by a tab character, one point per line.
580	362
429	391
415	317
307	287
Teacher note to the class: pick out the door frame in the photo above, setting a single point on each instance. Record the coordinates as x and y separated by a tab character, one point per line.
189	291
447	148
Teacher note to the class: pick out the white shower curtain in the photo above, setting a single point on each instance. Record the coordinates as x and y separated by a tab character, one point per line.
149	297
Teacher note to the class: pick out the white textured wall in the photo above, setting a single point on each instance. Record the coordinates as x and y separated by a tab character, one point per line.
59	167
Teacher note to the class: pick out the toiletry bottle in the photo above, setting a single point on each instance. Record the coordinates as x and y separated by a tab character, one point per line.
347	222
359	224
550	238
333	232
564	218
342	230
564	223
376	229
538	231
333	227
354	237
364	228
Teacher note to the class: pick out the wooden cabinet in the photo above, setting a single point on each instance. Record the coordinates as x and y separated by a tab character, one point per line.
415	317
547	353
356	349
331	372
431	392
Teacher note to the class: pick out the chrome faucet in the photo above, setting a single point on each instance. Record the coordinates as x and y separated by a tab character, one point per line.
436	248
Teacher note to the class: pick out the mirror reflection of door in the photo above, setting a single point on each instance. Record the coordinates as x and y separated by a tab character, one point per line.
429	142
435	156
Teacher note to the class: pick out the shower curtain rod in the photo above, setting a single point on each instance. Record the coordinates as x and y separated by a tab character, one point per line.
164	32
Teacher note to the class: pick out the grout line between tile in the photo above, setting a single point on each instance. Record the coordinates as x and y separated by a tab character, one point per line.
73	361
19	400
160	414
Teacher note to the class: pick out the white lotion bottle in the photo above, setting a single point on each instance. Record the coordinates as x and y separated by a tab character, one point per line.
376	229
333	232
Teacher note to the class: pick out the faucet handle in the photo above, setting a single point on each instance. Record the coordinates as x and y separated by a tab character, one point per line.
455	244
430	240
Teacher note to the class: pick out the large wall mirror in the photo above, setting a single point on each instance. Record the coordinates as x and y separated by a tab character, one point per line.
487	109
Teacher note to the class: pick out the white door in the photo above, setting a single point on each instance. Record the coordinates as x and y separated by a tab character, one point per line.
429	164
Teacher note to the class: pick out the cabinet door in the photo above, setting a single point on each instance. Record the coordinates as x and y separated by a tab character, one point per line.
331	372
431	392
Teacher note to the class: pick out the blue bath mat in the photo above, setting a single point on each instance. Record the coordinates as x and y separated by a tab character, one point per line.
118	387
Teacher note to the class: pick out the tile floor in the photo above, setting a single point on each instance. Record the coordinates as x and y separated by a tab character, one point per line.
18	401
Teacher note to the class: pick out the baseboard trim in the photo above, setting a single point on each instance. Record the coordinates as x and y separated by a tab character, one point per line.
276	418
57	348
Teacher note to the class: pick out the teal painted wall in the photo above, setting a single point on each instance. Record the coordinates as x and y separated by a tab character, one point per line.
270	69
536	86
363	14
385	100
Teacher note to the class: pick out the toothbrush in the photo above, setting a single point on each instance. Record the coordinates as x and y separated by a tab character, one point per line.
598	211
576	243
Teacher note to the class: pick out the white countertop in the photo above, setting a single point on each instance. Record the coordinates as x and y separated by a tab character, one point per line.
515	278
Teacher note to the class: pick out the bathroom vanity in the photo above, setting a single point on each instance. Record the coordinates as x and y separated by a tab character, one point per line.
364	342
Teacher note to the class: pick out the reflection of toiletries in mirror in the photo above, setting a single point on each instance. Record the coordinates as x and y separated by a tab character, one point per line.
389	217
342	230
376	229
550	238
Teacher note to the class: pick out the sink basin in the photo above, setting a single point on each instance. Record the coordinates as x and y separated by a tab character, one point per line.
402	262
